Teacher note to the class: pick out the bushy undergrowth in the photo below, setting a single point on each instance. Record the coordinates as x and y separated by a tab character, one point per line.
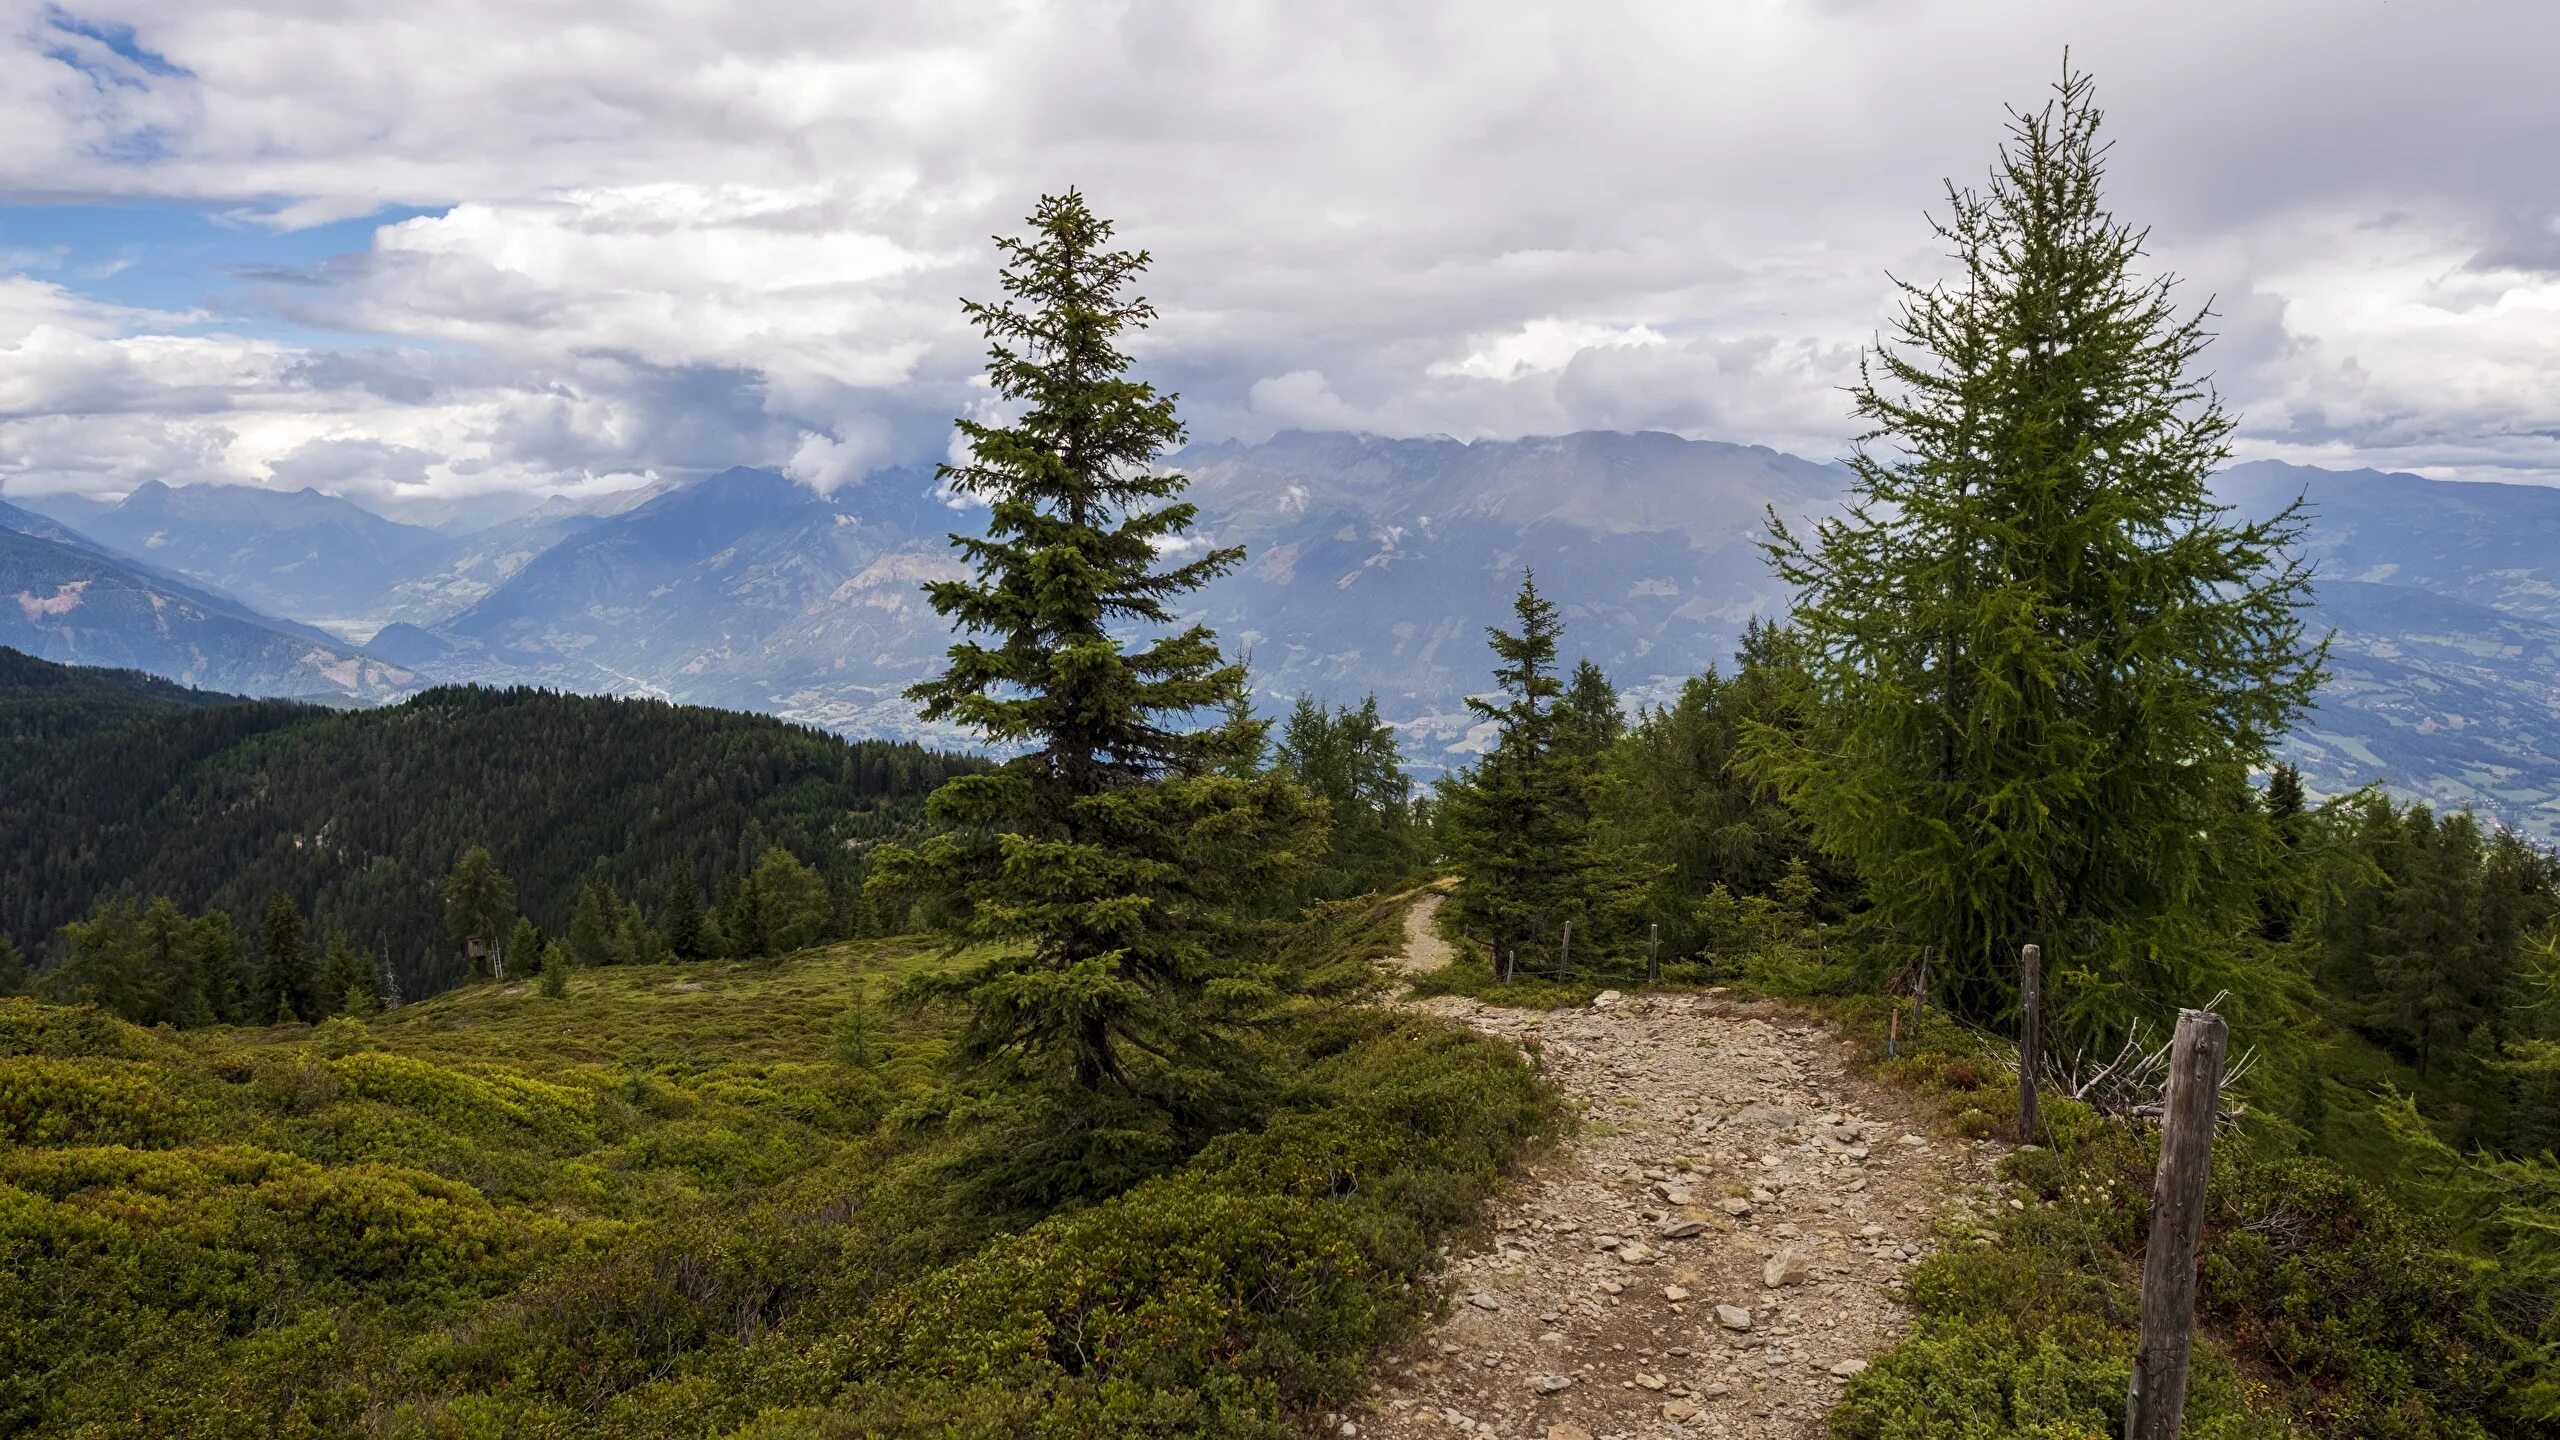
2325	1308
680	1201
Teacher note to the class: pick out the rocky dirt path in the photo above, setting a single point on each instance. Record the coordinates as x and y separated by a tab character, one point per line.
1714	1254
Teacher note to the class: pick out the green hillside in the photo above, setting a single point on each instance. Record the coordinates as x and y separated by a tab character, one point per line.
117	785
711	1199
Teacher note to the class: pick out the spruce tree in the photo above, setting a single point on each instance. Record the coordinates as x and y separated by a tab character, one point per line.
592	928
2042	661
347	984
1514	818
556	964
480	909
684	917
285	991
1104	860
524	946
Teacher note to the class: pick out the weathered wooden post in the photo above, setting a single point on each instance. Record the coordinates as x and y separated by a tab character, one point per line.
2030	1037
1920	993
2155	1403
1653	953
1564	956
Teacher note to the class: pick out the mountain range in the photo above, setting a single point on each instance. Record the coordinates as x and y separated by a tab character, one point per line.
1373	566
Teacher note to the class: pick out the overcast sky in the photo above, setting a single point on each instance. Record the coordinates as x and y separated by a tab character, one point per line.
523	244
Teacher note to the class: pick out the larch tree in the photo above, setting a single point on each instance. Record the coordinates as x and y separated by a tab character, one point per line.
2042	660
1103	863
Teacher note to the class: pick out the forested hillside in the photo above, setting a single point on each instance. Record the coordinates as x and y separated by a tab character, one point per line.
117	786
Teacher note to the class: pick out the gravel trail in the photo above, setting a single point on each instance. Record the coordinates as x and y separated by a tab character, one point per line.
1719	1248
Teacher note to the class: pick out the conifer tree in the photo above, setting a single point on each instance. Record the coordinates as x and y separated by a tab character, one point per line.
1515	818
13	968
592	928
2042	660
227	978
347	984
1106	858
684	917
524	946
556	963
792	900
285	990
480	908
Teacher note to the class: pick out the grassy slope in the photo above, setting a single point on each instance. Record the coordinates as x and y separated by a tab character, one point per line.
645	1210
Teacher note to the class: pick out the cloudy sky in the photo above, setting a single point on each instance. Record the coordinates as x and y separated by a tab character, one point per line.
491	245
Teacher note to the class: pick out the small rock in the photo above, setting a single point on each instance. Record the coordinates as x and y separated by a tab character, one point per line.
1679	1409
1675	1293
1636	1252
1605	999
1650	1382
1482	1301
1787	1267
1847	1368
1735	1206
1551	1384
1682	1229
1733	1317
1567	1432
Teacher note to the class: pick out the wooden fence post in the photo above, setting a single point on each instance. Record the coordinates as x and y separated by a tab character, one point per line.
2030	1038
1653	953
1564	958
2155	1402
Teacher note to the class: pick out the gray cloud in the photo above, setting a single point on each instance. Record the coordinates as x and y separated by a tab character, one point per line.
736	233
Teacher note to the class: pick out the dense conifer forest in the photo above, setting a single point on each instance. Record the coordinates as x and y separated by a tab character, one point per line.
118	787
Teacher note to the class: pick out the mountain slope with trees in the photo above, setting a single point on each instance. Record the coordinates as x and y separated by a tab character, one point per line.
358	816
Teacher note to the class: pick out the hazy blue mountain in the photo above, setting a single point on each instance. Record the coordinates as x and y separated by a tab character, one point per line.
1375	564
2491	544
70	601
300	553
744	589
2444	597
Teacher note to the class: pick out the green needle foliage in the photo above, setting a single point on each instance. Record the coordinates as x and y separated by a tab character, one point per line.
1107	860
1519	824
2043	662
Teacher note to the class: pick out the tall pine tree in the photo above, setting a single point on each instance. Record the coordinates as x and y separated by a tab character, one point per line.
2042	660
1519	823
1105	859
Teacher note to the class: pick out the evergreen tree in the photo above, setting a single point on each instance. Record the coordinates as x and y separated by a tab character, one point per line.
13	968
524	946
182	993
1348	759
101	962
1588	720
741	921
556	962
1517	823
2279	892
227	978
1105	860
347	984
2042	660
480	909
793	901
684	917
285	991
592	928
